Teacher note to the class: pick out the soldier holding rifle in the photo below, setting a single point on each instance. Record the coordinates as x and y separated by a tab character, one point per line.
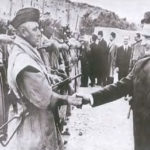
29	80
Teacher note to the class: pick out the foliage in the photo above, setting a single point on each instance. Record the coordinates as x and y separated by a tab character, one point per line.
104	19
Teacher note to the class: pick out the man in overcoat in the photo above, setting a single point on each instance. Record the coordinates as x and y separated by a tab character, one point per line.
102	59
137	83
93	62
123	58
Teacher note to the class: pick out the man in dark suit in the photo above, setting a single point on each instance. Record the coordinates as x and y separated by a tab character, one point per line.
102	59
136	82
123	58
93	62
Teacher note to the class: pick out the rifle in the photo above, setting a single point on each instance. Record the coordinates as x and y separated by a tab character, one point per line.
65	82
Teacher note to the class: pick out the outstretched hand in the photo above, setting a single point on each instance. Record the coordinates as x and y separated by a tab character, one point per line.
75	101
79	100
86	98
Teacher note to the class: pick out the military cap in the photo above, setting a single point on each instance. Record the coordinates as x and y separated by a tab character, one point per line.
25	15
146	18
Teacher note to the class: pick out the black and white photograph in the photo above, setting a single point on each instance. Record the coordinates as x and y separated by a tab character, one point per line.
74	75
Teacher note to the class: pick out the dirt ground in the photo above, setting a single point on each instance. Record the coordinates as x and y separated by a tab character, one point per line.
102	128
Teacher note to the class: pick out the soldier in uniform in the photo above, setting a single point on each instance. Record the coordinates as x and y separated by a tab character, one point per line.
29	80
137	51
137	83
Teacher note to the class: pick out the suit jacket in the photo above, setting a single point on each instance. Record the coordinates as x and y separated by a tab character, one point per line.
137	83
102	57
84	57
123	59
93	58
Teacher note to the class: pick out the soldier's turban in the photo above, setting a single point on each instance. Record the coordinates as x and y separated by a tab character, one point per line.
25	15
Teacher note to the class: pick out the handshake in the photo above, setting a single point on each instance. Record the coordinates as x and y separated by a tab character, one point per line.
79	100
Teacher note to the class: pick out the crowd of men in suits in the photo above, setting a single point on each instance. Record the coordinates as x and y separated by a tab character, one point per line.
106	58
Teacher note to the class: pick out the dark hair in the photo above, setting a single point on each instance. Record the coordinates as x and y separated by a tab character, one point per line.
146	18
138	35
94	37
100	33
113	34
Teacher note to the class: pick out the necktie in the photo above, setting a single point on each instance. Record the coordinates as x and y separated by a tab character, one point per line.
125	48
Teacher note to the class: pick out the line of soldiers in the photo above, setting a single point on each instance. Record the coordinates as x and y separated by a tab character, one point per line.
36	64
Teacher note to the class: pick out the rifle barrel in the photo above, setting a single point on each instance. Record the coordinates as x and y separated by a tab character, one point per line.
65	81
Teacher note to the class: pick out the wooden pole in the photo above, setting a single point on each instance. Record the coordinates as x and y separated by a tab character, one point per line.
43	6
57	3
31	3
77	23
68	14
22	3
10	11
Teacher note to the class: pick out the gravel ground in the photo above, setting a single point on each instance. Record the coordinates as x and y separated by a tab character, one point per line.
102	128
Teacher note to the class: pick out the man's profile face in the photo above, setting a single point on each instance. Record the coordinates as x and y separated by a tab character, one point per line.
145	34
136	38
100	37
146	38
31	33
111	38
146	44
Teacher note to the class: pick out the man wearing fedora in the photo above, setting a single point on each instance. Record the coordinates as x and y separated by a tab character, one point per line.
102	60
137	83
29	80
